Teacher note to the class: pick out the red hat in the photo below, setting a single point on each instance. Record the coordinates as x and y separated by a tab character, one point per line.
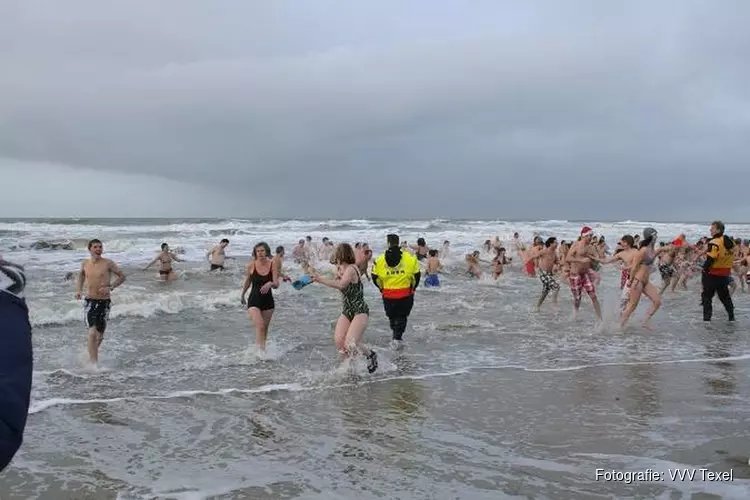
678	242
585	230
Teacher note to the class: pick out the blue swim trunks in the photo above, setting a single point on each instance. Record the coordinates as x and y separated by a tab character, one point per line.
432	280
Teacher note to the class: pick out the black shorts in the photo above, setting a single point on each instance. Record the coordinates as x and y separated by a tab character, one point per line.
214	267
96	313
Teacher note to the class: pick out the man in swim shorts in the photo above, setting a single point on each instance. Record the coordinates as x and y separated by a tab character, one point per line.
16	360
581	276
547	258
97	273
216	255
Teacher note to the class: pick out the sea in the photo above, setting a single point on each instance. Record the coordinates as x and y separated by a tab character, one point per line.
486	400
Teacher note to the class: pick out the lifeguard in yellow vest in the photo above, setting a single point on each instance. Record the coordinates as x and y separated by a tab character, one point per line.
717	271
396	273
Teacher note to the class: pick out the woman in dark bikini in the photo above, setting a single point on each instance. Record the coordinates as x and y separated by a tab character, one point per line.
351	325
262	275
641	266
165	259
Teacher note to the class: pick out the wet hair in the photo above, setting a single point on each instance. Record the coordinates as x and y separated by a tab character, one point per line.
646	242
344	254
164	245
265	247
550	241
279	249
433	253
629	240
421	242
719	225
392	240
308	237
224	241
94	242
357	244
446	242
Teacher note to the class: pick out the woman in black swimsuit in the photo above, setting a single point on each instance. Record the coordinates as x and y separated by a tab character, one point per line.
262	275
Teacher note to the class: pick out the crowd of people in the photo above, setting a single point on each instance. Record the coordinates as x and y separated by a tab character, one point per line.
396	273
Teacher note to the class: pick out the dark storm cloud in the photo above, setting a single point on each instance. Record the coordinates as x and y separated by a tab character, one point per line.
551	110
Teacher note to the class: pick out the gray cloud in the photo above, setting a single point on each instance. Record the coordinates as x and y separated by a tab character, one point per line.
576	109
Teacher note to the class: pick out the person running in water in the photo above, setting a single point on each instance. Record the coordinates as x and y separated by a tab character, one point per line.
581	276
97	272
717	270
546	258
351	325
433	268
262	275
396	274
641	266
165	258
624	254
16	360
216	256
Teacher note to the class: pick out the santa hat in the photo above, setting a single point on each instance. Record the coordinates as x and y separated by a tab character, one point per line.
585	231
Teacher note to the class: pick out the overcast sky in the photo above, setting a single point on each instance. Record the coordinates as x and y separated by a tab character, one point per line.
345	108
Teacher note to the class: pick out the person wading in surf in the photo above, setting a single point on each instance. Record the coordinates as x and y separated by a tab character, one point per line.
581	276
97	272
262	275
351	325
396	274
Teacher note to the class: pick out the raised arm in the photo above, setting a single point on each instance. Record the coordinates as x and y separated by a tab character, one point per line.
339	284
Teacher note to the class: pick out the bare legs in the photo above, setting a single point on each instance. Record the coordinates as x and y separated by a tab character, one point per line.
261	320
94	341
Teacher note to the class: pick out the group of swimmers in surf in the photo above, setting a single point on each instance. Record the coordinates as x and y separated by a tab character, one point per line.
576	263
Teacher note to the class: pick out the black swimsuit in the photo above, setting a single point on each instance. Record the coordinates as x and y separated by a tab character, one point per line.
257	299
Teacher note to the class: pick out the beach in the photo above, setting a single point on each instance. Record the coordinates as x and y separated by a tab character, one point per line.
487	400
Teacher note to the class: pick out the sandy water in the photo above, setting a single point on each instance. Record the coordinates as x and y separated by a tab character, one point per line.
487	399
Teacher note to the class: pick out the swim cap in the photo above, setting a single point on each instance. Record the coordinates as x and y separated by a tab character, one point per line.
649	232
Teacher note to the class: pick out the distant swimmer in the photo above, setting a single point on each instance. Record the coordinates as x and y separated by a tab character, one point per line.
165	259
420	249
472	261
396	274
278	262
445	252
499	261
97	273
433	268
546	257
581	276
262	276
641	266
351	324
216	256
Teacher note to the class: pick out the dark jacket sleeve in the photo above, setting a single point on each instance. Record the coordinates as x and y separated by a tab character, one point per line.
15	374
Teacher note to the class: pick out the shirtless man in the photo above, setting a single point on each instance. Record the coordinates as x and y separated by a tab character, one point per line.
546	258
363	259
277	262
97	272
581	276
472	259
216	255
299	254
